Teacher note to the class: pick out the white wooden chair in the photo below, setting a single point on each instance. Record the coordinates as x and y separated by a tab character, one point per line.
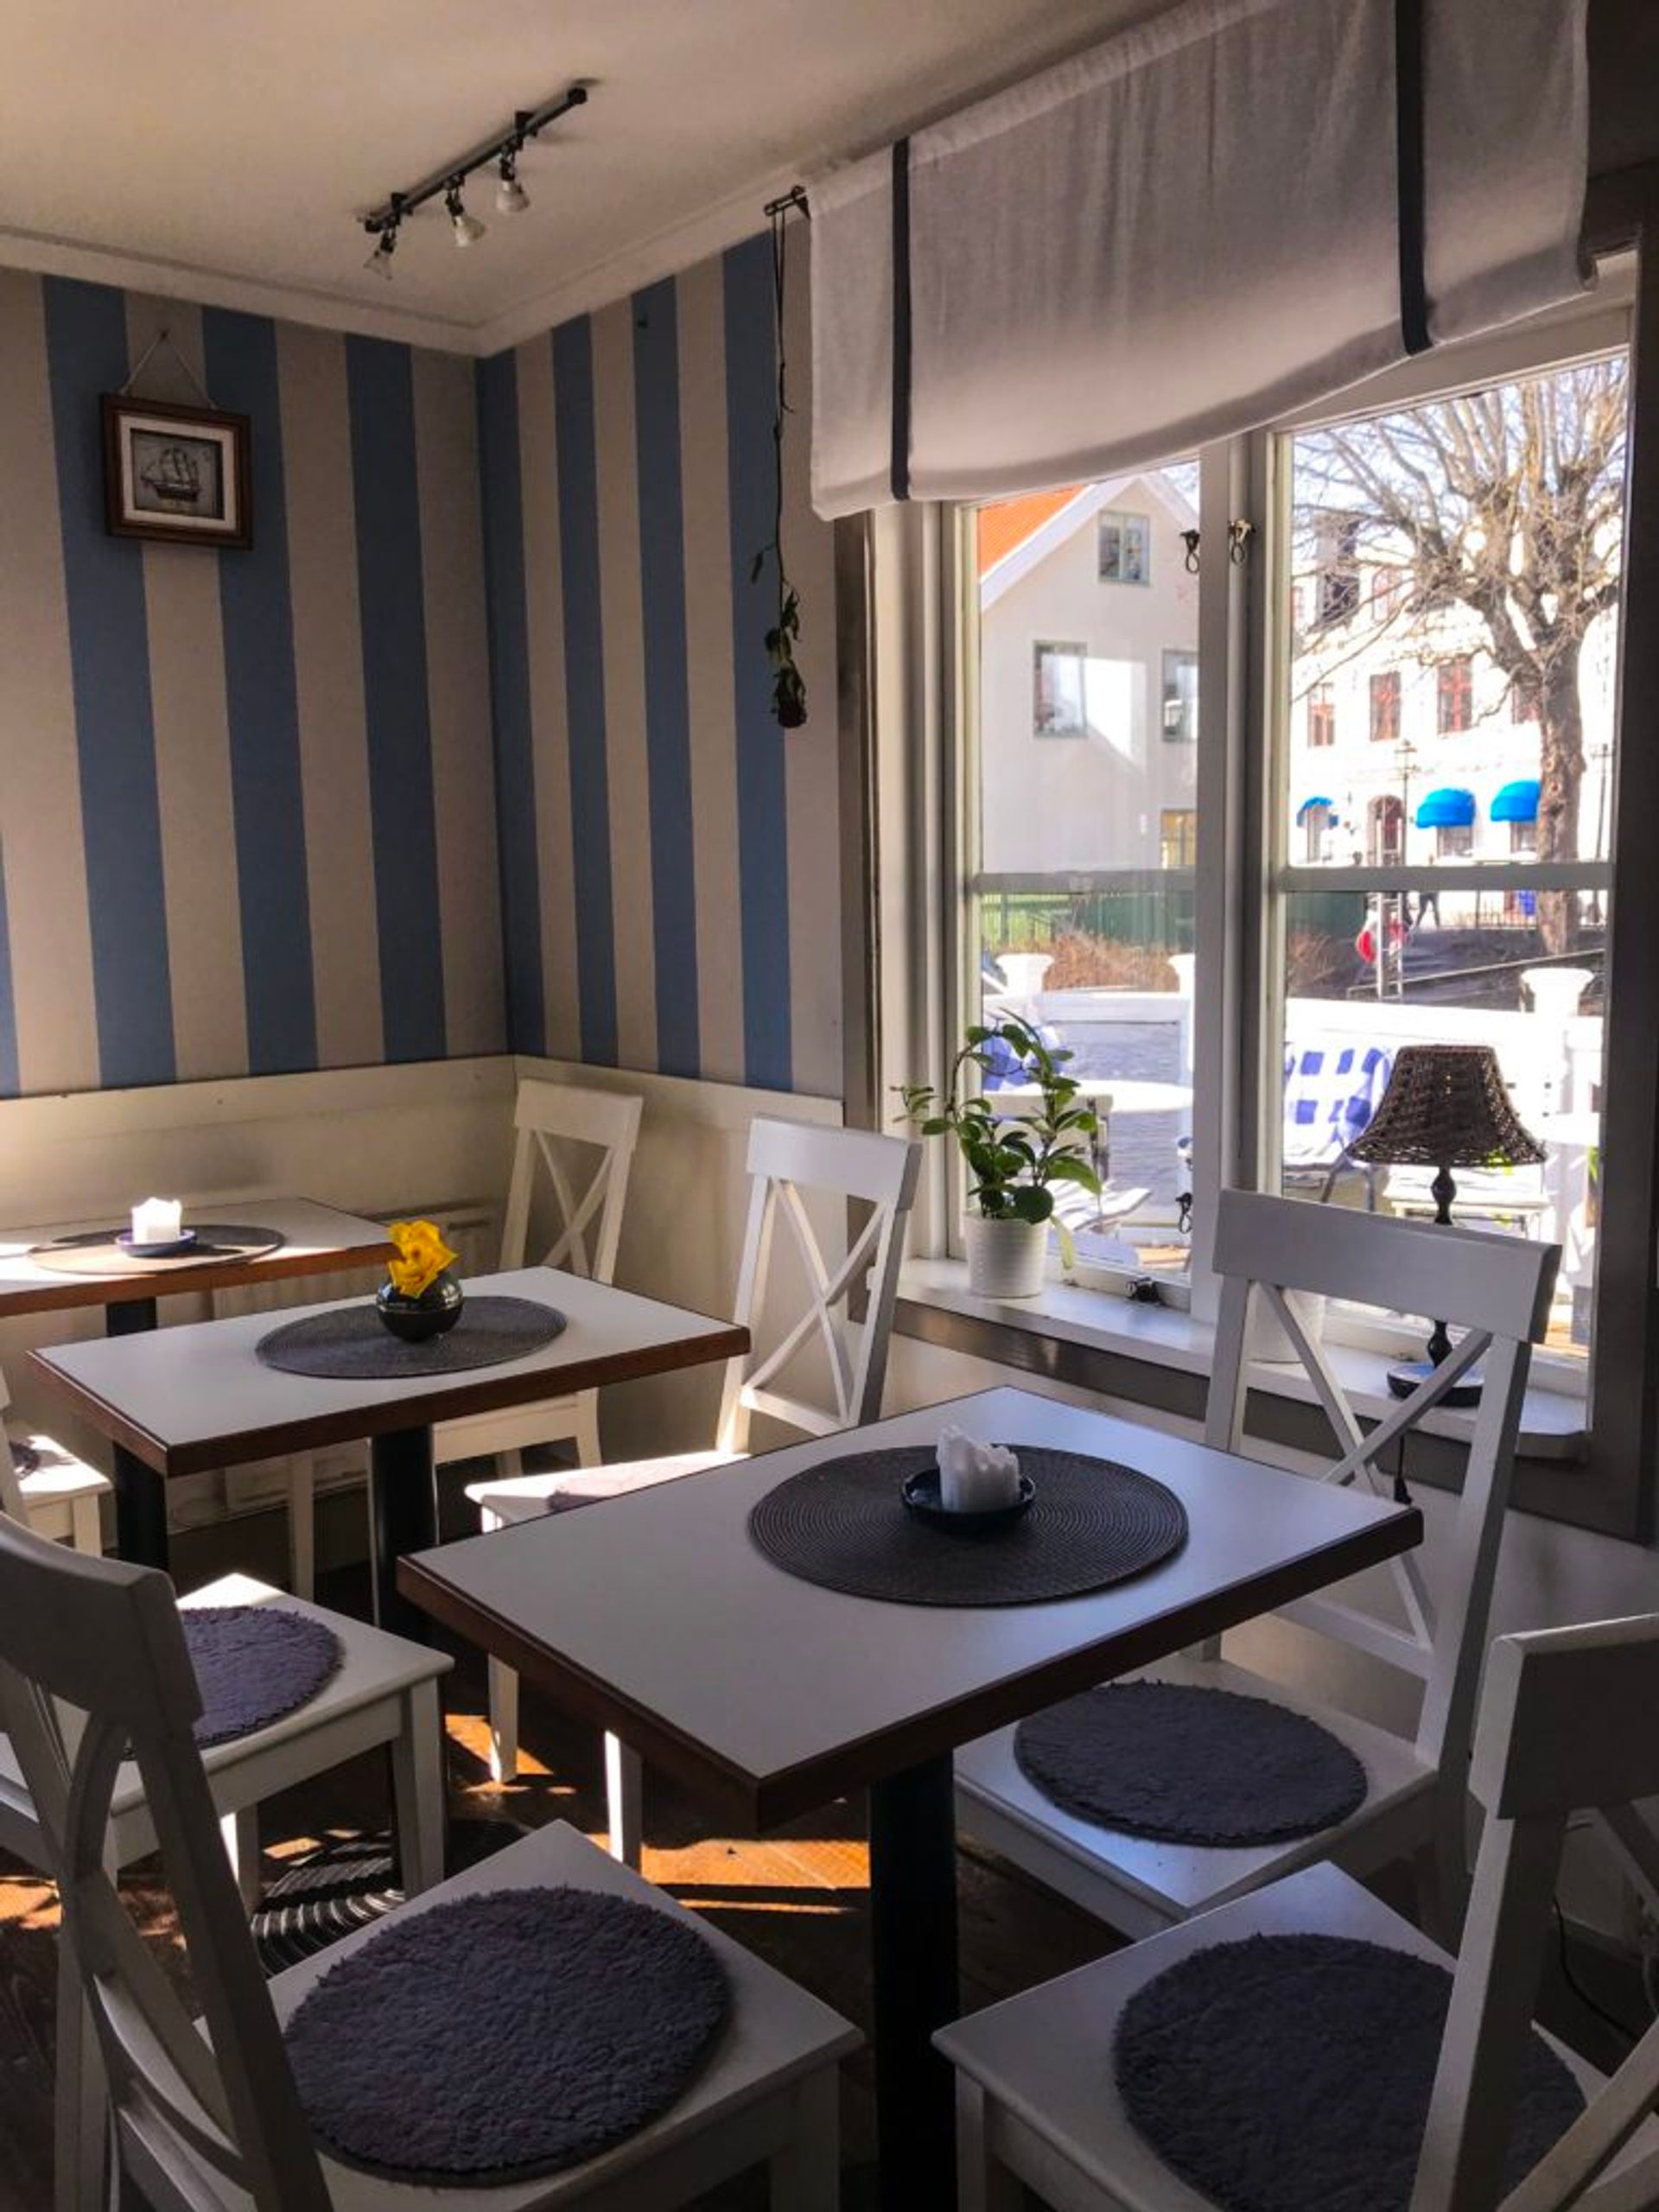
1563	1725
788	1163
56	1494
211	2121
1495	1288
556	1123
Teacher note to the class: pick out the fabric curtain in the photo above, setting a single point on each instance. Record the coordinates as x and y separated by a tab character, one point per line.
1229	210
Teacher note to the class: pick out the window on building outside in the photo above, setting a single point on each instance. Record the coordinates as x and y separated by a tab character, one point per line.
1454	695
1080	876
1321	716
1388	589
1385	707
1318	821
1059	689
1180	697
1521	800
1124	548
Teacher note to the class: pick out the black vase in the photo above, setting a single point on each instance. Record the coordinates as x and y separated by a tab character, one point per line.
417	1319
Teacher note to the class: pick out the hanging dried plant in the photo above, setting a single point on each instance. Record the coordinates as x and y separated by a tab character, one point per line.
788	687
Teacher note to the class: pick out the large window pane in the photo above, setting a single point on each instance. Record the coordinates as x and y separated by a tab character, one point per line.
1082	899
1451	631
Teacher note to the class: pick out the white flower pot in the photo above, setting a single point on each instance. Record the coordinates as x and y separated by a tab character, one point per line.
1005	1257
1267	1338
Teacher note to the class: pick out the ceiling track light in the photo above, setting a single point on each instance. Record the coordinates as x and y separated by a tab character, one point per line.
500	153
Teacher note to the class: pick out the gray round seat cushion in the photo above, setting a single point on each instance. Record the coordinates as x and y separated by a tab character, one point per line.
1184	1764
1293	2073
505	2036
254	1665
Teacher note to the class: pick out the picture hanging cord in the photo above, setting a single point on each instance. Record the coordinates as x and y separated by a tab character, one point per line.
164	337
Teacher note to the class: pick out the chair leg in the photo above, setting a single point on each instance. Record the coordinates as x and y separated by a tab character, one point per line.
81	2128
623	1796
984	2183
504	1722
302	1526
805	2175
86	1526
240	1832
588	1452
417	1789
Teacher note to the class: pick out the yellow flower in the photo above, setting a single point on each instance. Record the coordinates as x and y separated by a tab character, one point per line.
422	1256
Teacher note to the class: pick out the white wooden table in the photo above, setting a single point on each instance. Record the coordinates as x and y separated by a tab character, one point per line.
177	1402
656	1616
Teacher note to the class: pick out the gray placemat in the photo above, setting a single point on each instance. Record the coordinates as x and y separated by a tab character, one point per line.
506	2036
844	1524
97	1253
1184	1764
1293	2073
254	1665
351	1343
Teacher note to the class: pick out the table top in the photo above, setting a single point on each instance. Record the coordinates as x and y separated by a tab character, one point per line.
186	1399
316	1240
655	1615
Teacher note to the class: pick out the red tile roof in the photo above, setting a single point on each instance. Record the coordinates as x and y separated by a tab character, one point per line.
1011	522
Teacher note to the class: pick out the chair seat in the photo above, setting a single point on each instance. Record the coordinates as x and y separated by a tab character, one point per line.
57	1476
526	1497
776	2035
1044	2057
1139	1884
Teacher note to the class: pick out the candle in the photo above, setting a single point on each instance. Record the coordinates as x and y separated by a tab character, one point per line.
158	1221
976	1478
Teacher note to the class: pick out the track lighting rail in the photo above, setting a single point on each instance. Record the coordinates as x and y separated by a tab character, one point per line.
500	152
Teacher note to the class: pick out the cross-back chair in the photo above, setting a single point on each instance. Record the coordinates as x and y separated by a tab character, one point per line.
572	1156
41	1483
93	1672
788	1163
1495	1288
1563	1727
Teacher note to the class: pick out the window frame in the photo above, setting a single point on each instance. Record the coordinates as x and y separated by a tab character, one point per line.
1179	658
1061	649
1122	518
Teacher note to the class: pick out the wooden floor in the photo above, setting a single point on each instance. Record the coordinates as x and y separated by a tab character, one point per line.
798	1897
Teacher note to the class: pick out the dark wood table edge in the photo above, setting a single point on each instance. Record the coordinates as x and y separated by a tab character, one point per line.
765	1802
719	1341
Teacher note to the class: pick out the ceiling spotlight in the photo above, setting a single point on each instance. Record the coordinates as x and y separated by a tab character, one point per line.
379	261
468	228
510	198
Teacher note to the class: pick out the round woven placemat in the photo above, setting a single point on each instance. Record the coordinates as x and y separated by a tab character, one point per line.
255	1664
1181	1763
506	2036
95	1252
843	1523
1293	2073
352	1344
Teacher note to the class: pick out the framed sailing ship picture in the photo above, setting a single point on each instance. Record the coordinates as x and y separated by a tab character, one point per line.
176	474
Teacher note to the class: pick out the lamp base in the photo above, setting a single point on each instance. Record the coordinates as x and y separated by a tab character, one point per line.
1412	1373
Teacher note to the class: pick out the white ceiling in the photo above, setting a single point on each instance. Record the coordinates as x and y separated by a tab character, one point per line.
218	150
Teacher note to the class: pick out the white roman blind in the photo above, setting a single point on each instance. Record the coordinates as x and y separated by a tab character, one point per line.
1231	209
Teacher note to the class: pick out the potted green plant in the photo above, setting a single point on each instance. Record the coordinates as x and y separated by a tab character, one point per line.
1015	1159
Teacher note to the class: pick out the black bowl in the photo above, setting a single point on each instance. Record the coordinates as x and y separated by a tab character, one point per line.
921	1497
417	1320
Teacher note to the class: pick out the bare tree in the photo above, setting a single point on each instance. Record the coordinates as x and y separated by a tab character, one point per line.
1509	500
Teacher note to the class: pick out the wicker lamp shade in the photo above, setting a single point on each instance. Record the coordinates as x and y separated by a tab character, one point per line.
1445	1106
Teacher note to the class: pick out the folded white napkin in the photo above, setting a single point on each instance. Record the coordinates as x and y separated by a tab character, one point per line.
976	1478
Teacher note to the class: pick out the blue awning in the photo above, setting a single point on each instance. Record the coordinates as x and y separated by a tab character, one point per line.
1447	809
1308	806
1517	802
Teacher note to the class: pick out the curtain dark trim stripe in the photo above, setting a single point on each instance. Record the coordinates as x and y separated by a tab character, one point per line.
899	467
1410	184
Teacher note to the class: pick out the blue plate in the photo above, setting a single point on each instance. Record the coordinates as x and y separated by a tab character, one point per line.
921	1497
184	1241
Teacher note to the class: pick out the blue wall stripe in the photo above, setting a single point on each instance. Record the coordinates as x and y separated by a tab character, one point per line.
240	353
109	650
668	718
762	797
515	751
396	707
584	686
10	1080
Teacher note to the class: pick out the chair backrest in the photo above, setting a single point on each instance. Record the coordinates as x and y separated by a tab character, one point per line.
1497	1290
789	1162
552	1119
1566	1724
94	1668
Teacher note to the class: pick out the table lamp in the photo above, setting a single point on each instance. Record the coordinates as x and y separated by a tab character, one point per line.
1446	1107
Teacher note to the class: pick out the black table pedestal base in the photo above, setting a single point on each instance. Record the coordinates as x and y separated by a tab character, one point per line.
914	1936
402	1517
139	1510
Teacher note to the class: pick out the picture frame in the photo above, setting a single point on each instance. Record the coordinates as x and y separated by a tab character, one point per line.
175	474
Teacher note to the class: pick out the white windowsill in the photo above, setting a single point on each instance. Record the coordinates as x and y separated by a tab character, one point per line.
1552	1422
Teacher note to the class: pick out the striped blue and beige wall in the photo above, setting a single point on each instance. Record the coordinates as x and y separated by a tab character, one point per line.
246	810
669	858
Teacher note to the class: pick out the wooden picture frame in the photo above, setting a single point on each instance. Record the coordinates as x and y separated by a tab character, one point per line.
180	475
